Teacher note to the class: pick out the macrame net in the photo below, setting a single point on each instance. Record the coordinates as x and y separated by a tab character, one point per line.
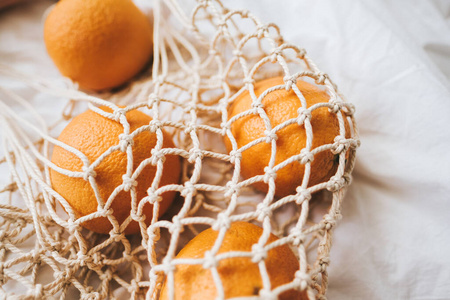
204	55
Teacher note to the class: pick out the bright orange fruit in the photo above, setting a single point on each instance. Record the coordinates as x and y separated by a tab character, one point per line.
240	276
281	106
98	43
93	134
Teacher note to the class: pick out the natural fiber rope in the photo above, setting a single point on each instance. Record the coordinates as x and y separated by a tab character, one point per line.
202	61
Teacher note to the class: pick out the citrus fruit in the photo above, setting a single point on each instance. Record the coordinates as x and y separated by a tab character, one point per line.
93	134
281	106
98	43
239	275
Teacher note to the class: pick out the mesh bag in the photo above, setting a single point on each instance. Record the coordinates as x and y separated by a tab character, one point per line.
205	55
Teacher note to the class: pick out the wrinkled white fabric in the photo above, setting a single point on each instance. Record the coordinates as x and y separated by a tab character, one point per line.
392	60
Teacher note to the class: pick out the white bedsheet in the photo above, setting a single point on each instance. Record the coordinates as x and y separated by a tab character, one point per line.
392	60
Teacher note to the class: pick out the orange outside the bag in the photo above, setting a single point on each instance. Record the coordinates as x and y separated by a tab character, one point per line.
100	44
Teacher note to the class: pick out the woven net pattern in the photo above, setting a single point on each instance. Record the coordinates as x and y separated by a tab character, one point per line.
205	55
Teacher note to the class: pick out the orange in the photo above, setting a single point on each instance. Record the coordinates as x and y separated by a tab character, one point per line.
93	134
240	276
98	43
281	106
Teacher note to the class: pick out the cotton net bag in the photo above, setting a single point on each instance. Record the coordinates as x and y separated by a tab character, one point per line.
205	56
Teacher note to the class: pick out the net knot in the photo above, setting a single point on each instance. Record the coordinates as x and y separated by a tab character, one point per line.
155	125
63	277
289	82
72	226
90	296
249	81
335	183
152	99
115	236
153	197
137	217
268	174
105	211
335	105
225	127
341	144
176	225
234	156
222	23
321	77
93	261
258	105
127	255
297	237
20	223
195	154
125	140
231	188
355	143
303	114
190	127
329	221
302	280
350	109
306	156
258	253
107	276
261	30
83	258
263	211
135	285
274	56
301	52
324	262
55	246
302	195
153	276
119	114
128	182
347	178
153	233
157	156
271	135
223	221
88	172
210	260
189	189
244	13
166	266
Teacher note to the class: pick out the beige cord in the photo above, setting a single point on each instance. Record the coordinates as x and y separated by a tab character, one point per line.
202	62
